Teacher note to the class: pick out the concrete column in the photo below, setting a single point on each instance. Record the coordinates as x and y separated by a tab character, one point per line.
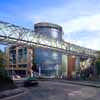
17	57
71	66
77	64
64	67
29	60
57	68
39	70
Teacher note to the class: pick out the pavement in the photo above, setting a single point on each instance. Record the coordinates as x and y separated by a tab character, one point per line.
96	84
76	82
84	83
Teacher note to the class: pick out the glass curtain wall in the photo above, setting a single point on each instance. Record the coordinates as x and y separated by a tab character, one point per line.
48	61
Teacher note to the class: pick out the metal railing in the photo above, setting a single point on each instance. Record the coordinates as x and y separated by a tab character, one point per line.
13	34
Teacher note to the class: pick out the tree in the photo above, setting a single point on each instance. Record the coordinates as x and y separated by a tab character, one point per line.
1	59
97	63
3	72
5	81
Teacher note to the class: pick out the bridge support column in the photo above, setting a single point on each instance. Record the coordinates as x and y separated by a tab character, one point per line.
64	67
77	64
71	66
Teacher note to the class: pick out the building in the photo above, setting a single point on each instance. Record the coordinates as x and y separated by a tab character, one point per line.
20	59
48	62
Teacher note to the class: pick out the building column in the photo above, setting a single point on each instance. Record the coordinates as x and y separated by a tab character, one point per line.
29	61
16	57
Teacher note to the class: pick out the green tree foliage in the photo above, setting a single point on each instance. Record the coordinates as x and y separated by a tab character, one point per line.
98	67
1	59
3	72
5	81
97	63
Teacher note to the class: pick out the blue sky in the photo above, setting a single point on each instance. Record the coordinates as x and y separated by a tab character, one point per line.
80	19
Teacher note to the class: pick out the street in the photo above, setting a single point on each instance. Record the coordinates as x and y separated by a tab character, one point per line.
49	90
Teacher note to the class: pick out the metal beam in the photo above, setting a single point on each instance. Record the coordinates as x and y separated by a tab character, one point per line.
13	34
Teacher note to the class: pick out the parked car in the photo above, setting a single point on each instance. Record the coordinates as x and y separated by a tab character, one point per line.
31	81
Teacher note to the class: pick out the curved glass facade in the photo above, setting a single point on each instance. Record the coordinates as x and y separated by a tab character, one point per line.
48	61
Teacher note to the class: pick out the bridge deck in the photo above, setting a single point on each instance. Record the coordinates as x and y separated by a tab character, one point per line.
13	34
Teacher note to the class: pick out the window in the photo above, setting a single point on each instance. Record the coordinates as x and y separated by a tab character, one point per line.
54	33
23	65
55	55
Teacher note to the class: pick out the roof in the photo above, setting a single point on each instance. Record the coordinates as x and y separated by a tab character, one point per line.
46	24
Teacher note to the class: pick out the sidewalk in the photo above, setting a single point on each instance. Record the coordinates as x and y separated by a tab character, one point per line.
76	82
12	92
84	83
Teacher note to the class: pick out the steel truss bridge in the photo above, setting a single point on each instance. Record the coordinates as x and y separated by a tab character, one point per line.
12	34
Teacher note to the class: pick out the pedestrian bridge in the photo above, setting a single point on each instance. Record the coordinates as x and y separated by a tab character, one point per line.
12	34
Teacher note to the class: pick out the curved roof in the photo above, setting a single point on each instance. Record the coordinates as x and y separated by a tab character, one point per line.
49	25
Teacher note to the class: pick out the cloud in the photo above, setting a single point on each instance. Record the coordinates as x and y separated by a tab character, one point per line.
87	23
74	16
92	43
90	25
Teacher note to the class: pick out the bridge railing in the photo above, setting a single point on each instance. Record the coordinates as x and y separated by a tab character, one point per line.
10	33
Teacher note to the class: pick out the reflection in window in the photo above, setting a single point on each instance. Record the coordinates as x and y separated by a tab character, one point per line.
54	33
55	55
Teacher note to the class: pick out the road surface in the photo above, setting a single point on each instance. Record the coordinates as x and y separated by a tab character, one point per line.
49	90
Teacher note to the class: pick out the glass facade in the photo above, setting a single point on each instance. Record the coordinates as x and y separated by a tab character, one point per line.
47	60
22	55
18	55
20	59
12	56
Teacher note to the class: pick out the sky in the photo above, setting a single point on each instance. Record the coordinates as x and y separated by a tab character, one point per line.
80	19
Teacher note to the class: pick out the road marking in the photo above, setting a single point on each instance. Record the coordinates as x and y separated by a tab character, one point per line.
75	93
